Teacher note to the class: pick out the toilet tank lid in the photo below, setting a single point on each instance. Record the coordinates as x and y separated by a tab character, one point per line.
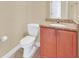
32	24
27	40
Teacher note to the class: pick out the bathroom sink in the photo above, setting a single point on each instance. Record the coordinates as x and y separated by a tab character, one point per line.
61	20
57	25
63	25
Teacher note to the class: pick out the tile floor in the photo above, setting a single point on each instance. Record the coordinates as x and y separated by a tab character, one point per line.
19	54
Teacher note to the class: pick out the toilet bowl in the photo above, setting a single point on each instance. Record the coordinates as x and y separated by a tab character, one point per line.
27	43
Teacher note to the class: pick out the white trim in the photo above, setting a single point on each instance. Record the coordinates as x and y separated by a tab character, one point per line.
11	52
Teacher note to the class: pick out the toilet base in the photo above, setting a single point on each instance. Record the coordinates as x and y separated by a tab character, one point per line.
29	52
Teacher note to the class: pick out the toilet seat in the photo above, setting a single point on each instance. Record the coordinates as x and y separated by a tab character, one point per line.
27	40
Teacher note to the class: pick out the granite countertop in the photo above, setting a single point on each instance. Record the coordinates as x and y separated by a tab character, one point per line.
67	26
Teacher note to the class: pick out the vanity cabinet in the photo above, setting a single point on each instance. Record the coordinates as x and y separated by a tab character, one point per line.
47	42
57	43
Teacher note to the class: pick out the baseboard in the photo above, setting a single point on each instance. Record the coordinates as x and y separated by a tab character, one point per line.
11	52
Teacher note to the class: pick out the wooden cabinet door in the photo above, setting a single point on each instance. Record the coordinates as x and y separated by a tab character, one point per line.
66	44
47	42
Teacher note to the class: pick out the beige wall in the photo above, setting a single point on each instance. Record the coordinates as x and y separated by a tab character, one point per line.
74	10
13	19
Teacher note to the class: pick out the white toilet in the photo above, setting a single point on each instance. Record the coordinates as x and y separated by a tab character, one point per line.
27	43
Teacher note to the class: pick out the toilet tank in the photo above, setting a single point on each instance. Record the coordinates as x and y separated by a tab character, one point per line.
33	29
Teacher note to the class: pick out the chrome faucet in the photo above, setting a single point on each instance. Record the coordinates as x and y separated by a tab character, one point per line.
57	20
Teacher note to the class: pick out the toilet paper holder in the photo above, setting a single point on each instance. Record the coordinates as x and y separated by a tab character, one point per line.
3	38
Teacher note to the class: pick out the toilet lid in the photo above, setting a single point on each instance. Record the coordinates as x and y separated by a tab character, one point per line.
27	40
